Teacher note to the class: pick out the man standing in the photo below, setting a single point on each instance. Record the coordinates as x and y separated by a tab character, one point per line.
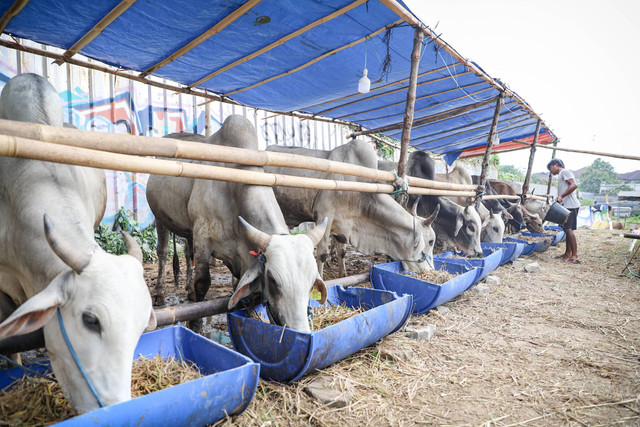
567	197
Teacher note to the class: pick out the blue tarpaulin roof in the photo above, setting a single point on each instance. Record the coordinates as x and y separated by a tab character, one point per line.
292	56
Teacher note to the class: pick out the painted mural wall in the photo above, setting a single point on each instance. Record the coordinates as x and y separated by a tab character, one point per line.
102	102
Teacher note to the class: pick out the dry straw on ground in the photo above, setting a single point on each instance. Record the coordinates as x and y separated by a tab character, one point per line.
558	347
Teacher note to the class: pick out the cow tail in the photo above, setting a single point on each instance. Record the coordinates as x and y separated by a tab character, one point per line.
176	262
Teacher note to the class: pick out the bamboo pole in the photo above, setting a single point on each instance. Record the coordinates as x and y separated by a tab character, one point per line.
11	13
574	150
94	32
174	88
281	41
408	112
314	60
532	155
181	149
12	146
164	316
487	153
428	119
219	26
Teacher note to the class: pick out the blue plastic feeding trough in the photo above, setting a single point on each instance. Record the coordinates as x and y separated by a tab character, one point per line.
228	386
486	265
553	237
559	232
529	247
286	355
510	250
426	295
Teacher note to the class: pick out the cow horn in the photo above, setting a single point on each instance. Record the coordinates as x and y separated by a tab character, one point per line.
67	252
433	216
318	231
255	236
414	208
133	248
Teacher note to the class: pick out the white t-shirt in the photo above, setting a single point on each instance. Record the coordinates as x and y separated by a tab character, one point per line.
571	201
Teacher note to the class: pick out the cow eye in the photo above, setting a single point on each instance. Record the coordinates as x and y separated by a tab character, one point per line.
495	229
431	242
91	322
472	229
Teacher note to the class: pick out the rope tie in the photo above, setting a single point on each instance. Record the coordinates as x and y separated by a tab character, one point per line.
401	188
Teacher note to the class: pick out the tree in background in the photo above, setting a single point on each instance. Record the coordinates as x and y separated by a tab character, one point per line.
510	173
599	171
386	152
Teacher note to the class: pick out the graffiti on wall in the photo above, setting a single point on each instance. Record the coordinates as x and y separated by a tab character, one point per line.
134	108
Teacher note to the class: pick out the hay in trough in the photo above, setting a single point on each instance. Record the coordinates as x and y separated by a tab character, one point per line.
327	315
323	315
437	277
40	400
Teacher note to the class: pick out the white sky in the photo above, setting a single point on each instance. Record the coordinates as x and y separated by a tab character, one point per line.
575	62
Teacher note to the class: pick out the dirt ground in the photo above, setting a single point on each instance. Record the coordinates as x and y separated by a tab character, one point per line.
557	347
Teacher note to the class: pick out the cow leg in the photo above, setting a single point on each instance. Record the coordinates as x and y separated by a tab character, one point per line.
202	280
188	253
162	251
176	263
340	252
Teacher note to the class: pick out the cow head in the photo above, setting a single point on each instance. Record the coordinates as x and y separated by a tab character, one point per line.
538	207
428	237
492	229
417	256
467	231
532	221
104	304
285	272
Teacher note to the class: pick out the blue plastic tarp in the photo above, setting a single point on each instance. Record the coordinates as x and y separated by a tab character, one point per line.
274	57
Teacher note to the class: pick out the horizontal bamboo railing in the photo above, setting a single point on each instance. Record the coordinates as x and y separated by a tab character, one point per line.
13	146
180	149
125	152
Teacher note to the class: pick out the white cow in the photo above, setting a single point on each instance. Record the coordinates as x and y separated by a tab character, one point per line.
103	300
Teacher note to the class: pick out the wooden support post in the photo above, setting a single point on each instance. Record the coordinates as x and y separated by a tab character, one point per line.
408	112
553	156
487	153
532	155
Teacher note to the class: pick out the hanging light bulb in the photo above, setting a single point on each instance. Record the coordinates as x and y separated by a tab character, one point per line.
364	84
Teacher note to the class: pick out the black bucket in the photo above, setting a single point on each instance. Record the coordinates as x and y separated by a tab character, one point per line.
557	213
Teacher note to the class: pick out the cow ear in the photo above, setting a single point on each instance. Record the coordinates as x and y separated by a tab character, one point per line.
427	222
459	222
247	284
38	309
320	286
507	215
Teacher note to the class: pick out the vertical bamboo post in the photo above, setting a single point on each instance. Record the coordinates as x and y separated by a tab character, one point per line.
532	155
409	108
553	156
492	135
207	119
